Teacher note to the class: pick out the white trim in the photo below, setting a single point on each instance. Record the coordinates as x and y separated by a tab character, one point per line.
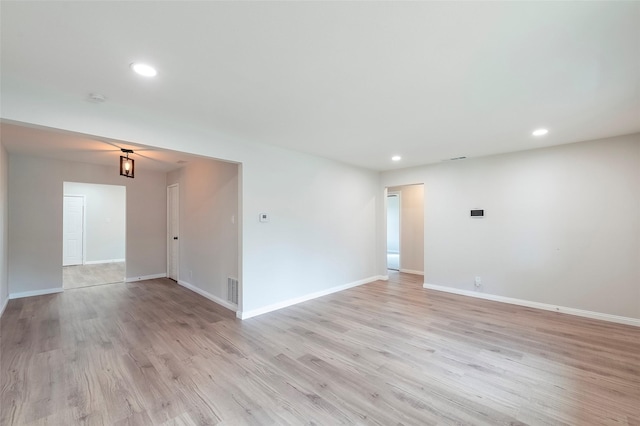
384	277
95	262
145	277
411	271
279	305
538	305
35	293
6	302
206	294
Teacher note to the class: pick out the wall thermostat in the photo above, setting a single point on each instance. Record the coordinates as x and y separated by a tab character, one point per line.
264	217
477	213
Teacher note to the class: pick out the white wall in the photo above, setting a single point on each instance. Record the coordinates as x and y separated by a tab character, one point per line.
105	226
562	224
208	195
325	214
322	228
411	227
4	230
35	219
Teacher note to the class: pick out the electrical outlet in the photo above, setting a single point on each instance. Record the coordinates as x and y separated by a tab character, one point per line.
478	282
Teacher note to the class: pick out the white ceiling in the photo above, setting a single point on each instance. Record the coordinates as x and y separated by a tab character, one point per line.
352	81
69	146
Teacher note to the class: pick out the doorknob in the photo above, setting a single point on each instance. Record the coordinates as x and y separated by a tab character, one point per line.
175	238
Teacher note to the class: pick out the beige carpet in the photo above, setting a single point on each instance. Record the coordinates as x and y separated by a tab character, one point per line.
89	275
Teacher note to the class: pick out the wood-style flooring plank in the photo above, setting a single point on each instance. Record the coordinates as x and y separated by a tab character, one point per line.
385	353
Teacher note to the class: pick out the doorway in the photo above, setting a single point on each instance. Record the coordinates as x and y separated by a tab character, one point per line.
393	231
405	228
94	234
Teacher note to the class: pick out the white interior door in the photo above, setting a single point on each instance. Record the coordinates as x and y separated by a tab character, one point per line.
172	232
72	230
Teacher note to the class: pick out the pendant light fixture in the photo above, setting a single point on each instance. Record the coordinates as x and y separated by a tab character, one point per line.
127	165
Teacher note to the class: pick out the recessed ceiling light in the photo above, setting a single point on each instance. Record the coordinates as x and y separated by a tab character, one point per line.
144	69
540	132
396	158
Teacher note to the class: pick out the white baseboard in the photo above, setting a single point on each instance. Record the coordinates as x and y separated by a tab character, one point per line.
383	277
95	262
35	293
538	305
216	299
411	271
145	277
275	306
4	306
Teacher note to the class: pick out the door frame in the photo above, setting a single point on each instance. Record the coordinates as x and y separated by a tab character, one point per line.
169	236
388	189
84	226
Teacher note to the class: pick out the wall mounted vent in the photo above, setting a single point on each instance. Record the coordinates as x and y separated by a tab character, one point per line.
232	290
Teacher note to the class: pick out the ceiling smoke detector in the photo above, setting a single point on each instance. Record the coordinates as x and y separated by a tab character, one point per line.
97	98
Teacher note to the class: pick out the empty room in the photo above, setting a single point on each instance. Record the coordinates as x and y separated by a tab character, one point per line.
287	213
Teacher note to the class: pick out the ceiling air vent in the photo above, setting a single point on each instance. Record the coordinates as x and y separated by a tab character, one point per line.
455	159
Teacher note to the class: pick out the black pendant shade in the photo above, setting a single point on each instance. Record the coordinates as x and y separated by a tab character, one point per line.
127	165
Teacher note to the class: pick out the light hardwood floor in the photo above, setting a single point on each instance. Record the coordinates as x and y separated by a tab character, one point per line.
77	276
384	353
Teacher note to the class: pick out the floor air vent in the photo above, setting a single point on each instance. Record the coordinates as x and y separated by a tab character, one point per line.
232	290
